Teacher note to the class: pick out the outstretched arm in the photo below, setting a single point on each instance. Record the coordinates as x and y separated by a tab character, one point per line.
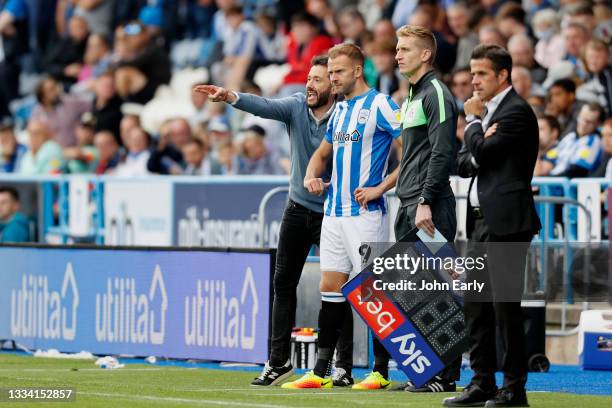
278	109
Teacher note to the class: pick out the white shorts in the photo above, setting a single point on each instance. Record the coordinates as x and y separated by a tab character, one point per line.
341	238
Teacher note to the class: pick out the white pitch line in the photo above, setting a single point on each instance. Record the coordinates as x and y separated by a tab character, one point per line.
78	369
214	389
181	400
314	393
116	369
350	396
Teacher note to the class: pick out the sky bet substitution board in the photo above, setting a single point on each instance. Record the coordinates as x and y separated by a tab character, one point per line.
423	330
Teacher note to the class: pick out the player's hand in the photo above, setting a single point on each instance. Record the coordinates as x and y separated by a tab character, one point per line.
363	195
474	106
316	186
215	93
424	221
490	131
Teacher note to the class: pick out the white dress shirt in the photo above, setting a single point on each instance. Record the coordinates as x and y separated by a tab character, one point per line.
491	107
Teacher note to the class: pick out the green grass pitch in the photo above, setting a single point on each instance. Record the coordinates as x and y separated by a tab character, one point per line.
150	386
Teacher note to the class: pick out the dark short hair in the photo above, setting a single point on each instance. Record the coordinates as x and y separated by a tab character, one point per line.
256	129
553	123
319	60
234	10
513	11
460	70
500	58
196	142
595	107
304	17
476	16
39	87
10	191
566	84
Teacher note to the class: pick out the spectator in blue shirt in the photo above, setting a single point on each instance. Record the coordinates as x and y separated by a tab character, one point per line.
579	152
11	151
13	225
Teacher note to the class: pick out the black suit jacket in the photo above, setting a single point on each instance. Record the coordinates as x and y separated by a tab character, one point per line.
505	168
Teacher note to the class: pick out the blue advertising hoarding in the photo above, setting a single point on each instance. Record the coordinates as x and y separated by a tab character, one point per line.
226	214
201	304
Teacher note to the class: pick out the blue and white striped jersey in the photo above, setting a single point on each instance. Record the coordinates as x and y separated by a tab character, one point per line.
361	130
584	152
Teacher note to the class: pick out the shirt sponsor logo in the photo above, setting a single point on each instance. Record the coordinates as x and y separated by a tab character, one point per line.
343	137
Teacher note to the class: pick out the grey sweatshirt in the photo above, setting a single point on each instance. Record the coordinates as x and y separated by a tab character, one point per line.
305	134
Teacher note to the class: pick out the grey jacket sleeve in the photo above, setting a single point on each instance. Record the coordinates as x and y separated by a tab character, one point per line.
277	109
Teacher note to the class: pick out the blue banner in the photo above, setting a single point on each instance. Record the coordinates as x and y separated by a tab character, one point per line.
226	214
180	304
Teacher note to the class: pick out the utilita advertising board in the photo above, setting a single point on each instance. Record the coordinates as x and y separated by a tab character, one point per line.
201	304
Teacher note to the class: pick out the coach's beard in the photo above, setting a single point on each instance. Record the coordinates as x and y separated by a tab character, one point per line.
315	99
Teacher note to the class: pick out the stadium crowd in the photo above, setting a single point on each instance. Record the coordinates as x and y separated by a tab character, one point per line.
104	86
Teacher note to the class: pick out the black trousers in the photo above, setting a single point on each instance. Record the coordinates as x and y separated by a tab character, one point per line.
300	229
444	218
506	258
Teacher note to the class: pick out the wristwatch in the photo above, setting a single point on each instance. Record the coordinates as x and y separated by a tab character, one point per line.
423	201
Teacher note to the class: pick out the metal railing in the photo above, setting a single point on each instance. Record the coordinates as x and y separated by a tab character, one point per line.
567	259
